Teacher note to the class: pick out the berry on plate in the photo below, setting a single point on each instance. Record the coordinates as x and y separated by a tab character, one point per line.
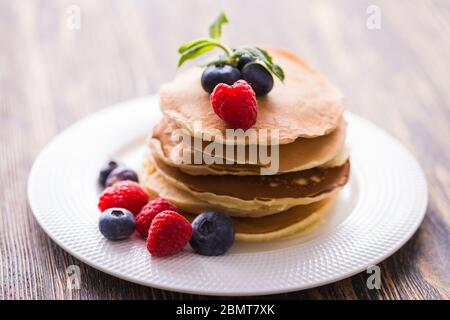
168	234
105	171
148	213
121	173
123	194
212	233
116	223
215	74
235	104
258	77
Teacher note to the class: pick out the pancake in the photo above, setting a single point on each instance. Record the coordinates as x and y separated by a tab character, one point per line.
300	184
157	185
257	195
299	155
306	105
293	222
239	169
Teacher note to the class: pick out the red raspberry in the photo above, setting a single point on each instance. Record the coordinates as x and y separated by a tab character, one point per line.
235	104
168	234
148	213
123	194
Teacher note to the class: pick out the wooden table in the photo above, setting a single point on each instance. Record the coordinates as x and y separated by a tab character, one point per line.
53	73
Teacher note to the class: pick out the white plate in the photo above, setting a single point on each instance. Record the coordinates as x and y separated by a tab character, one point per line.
377	212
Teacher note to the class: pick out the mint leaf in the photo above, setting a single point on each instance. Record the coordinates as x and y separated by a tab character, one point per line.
215	29
195	51
194	48
193	43
276	70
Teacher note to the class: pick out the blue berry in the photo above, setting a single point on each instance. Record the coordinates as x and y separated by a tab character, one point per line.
212	233
223	73
119	174
117	223
105	171
244	59
258	77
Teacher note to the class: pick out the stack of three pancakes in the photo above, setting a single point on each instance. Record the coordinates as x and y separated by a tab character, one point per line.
305	112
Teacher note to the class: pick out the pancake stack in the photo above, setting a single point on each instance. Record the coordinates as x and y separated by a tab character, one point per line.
306	112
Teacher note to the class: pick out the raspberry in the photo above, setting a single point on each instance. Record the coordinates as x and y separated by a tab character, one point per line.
235	104
168	234
148	213
123	194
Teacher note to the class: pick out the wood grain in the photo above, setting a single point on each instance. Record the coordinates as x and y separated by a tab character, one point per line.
51	76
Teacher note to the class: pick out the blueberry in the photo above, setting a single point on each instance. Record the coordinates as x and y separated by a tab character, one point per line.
117	223
244	59
119	174
258	77
212	233
223	73
105	171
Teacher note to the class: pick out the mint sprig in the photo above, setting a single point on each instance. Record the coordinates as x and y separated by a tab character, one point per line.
197	47
193	49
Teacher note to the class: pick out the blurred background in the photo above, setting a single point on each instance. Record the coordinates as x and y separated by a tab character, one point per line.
62	60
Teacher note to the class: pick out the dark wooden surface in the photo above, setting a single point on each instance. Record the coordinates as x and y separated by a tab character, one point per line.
51	76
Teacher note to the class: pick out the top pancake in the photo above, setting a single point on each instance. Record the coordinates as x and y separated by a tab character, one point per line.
306	105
